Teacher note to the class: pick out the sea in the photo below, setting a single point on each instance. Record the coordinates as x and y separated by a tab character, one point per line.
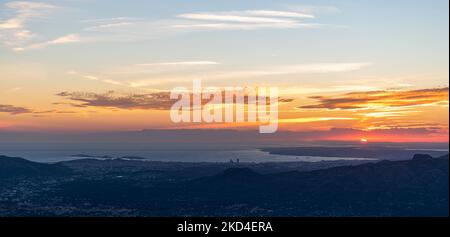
51	154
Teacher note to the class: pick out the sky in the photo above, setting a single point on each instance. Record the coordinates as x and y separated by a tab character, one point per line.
377	67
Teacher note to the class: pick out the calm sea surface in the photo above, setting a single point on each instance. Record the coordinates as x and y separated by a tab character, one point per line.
55	154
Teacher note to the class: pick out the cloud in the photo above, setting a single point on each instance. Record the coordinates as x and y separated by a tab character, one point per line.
132	29
14	110
229	20
227	26
163	67
13	31
239	74
112	99
126	29
129	29
315	9
108	25
377	99
24	11
232	18
313	119
66	39
387	114
15	35
105	24
392	124
167	74
245	20
294	69
185	63
72	38
95	78
290	14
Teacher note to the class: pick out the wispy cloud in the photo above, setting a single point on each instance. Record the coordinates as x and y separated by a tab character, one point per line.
387	114
14	110
383	99
114	76
113	99
71	38
232	18
164	67
132	29
290	14
157	74
314	9
313	119
17	110
94	78
299	69
228	26
66	39
245	20
108	26
159	100
24	11
13	31
126	29
228	20
105	24
185	63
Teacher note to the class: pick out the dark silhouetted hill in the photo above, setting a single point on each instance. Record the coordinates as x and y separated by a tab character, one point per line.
19	167
417	187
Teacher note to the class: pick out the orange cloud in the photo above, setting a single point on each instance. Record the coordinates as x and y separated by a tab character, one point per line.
113	99
158	100
363	100
13	109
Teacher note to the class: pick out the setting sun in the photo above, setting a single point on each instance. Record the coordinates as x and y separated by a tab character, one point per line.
363	140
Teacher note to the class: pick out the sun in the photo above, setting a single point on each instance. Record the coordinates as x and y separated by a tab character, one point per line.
364	140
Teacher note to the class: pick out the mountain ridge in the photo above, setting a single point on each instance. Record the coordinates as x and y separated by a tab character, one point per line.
20	167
